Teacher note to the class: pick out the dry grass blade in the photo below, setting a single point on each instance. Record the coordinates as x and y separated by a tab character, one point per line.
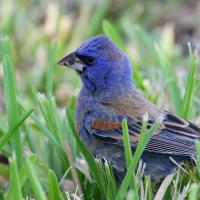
163	187
73	168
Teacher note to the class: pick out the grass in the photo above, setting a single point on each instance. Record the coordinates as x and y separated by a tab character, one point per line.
46	157
11	105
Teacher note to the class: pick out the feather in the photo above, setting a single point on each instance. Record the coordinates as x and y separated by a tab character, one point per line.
176	136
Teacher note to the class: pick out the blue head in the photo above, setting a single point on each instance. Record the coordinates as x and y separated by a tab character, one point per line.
105	70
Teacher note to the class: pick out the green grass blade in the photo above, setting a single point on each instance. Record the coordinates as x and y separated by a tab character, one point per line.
97	16
89	158
23	173
144	138
4	170
138	80
5	138
149	189
127	146
111	181
171	78
51	137
110	31
11	105
5	46
197	144
53	186
131	195
14	180
34	180
128	152
194	191
189	91
48	108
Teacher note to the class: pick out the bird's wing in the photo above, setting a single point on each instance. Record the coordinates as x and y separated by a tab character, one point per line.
176	136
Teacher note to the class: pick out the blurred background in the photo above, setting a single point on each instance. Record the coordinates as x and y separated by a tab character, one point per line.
34	27
158	36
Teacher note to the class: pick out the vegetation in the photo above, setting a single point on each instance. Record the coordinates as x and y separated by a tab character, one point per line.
42	156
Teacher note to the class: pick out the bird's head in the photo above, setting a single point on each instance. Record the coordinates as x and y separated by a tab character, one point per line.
104	69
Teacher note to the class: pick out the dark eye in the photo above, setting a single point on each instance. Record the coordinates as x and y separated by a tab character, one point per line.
87	60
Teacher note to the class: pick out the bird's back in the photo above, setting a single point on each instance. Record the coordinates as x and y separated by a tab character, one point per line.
136	105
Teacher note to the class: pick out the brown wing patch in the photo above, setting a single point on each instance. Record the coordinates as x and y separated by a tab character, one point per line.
105	125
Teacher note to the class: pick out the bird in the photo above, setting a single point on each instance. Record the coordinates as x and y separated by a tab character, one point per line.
108	96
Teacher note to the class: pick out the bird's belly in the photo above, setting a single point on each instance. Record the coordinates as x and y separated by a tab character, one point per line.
101	150
156	165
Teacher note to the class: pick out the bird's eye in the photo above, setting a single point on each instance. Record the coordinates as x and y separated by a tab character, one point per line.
88	60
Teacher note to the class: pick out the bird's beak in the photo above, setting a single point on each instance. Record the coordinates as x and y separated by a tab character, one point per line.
72	61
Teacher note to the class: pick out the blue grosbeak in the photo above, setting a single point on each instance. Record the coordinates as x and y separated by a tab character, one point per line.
108	96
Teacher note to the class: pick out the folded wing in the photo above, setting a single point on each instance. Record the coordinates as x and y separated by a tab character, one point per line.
176	136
